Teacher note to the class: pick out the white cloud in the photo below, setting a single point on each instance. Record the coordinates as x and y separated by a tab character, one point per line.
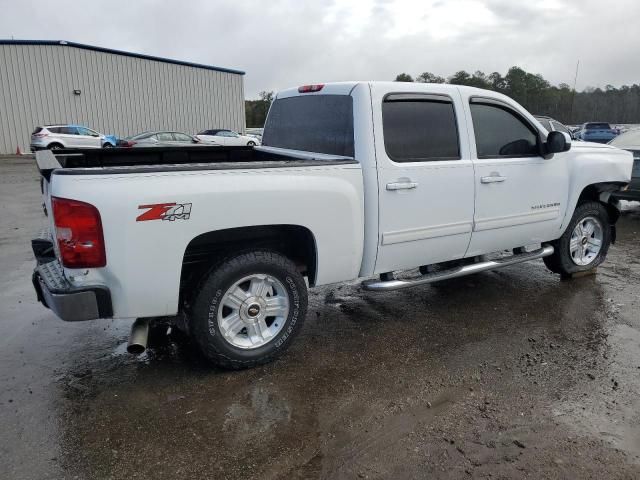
282	43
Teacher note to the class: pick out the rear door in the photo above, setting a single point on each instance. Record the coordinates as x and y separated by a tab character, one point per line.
520	196
425	176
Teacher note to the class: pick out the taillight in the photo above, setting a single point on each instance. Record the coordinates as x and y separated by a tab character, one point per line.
78	233
310	88
40	135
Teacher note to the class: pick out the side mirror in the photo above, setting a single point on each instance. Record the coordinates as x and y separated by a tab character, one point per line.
557	142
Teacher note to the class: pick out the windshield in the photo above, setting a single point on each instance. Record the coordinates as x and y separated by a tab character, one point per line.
630	139
598	126
314	123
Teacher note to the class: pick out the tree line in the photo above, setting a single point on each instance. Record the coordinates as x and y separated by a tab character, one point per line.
540	97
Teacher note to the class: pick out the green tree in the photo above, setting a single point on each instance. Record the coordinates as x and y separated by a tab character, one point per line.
404	77
428	77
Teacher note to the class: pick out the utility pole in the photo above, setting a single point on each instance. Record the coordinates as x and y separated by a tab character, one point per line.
573	93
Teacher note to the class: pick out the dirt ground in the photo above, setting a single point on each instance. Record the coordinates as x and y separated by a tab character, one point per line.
507	374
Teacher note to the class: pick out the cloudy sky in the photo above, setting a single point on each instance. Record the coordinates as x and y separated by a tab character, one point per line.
282	43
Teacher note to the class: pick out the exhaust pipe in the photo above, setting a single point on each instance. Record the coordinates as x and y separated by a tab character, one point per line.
139	336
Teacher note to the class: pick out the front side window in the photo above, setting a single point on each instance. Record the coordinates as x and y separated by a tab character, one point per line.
419	128
165	137
500	132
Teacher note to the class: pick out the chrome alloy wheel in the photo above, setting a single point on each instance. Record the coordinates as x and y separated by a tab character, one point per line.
586	241
253	311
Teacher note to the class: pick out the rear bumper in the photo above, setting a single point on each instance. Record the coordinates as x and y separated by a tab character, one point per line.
55	292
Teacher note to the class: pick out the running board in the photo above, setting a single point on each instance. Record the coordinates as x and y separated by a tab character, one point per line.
381	285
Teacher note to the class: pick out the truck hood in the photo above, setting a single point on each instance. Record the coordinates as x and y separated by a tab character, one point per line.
614	164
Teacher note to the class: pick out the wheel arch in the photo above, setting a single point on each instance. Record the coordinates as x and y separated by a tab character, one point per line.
207	249
601	192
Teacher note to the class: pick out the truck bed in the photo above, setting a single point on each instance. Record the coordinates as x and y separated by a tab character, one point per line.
153	159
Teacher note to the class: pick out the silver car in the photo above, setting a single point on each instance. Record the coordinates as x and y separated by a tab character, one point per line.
55	137
158	139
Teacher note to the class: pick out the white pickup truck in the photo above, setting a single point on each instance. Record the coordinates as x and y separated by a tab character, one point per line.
401	183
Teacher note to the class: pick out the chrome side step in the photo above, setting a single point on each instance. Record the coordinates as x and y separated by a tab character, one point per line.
380	285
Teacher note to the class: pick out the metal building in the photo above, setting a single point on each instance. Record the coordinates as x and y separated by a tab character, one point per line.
114	92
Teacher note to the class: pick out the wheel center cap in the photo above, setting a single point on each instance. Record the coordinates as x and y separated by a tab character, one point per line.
253	310
584	240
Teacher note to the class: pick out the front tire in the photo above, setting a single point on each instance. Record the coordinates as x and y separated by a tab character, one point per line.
55	146
249	309
251	144
584	244
107	145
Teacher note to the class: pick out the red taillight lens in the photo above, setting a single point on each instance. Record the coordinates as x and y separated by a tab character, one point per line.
78	233
40	135
310	88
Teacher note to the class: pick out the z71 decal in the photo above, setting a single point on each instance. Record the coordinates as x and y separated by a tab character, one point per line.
165	211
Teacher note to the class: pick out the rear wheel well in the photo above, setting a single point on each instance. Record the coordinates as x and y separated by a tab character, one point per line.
208	249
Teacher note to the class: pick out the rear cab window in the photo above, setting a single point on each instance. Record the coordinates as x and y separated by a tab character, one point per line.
311	123
420	127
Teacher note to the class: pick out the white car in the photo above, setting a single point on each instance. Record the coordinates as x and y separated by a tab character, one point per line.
409	183
56	137
228	138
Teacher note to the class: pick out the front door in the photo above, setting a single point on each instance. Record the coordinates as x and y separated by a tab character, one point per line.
520	196
425	177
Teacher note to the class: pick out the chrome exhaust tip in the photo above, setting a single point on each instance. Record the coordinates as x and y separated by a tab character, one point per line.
139	336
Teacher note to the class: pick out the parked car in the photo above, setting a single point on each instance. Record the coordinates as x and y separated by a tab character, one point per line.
255	132
56	137
553	125
596	132
630	140
354	180
227	138
158	139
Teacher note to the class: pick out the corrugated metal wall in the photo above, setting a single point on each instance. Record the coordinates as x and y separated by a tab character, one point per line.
120	95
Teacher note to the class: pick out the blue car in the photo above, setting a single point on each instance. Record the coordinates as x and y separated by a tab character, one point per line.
596	132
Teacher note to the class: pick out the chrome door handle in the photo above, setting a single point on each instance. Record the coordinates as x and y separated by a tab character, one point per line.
402	185
492	179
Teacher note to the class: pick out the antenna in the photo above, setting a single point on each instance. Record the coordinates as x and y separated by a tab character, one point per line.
573	94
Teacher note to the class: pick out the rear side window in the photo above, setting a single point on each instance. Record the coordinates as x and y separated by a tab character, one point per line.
420	128
37	130
313	123
68	130
501	133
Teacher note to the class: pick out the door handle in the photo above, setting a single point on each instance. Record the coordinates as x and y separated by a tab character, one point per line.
402	186
493	178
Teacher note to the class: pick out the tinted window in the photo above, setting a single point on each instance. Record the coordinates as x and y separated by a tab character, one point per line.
69	130
54	129
419	130
37	130
313	123
598	126
500	133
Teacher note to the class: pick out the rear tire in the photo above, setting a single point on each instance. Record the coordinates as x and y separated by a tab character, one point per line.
248	309
584	244
55	146
251	144
107	145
